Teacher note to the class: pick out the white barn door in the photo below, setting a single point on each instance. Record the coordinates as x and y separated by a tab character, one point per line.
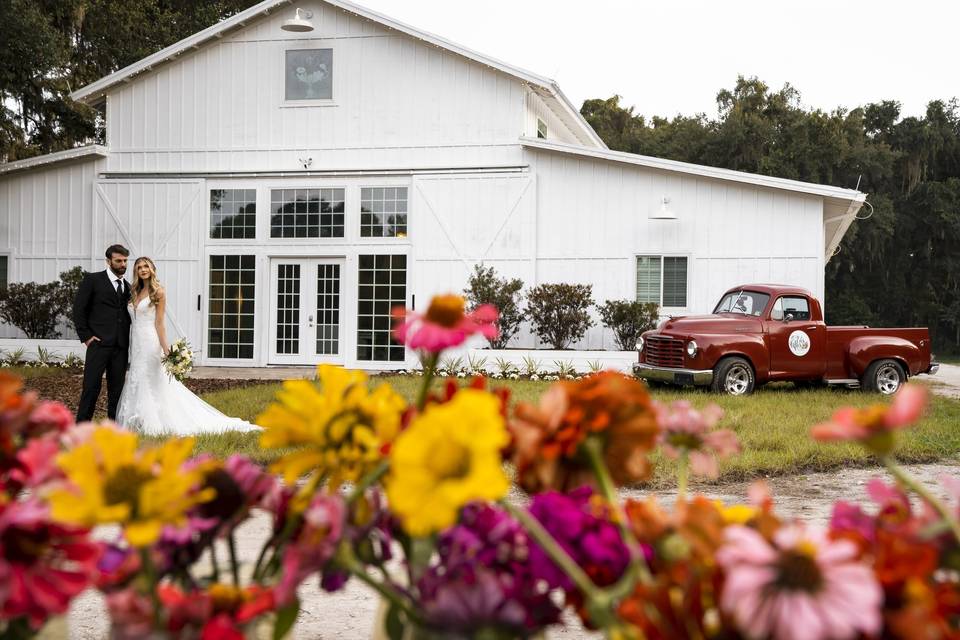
166	221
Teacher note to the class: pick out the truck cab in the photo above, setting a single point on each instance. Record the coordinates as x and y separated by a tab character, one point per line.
763	333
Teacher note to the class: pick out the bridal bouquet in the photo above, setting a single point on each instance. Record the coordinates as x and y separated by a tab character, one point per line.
179	362
414	500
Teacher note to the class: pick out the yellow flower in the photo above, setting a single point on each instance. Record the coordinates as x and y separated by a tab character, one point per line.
110	481
340	428
736	513
449	456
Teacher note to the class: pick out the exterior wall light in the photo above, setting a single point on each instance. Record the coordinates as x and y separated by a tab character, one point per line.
300	23
664	212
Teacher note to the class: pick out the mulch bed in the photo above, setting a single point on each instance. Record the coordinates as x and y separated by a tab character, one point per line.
65	386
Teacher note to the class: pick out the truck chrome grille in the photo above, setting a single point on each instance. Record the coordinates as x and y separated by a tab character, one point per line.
664	352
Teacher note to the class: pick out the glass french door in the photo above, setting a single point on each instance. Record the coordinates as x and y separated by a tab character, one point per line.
306	304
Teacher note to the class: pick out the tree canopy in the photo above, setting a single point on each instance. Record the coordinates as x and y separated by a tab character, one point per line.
899	267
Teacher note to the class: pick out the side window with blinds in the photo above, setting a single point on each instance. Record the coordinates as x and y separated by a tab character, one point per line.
662	280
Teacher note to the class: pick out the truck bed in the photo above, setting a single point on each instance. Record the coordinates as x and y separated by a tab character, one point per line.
839	358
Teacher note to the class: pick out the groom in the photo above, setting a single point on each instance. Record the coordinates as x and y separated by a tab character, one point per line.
103	324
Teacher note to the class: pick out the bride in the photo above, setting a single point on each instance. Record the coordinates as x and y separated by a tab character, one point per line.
152	402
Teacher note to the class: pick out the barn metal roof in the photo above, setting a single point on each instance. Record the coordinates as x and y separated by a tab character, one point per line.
58	157
95	91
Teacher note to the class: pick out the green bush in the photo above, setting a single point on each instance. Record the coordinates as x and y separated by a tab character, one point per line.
484	287
37	309
559	312
628	319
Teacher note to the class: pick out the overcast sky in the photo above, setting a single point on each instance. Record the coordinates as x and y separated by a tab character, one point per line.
671	57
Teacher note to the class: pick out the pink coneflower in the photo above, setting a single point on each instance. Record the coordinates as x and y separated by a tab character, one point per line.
43	565
444	325
314	545
874	425
803	587
685	429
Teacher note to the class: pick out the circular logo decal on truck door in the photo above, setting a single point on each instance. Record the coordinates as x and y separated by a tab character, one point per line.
799	343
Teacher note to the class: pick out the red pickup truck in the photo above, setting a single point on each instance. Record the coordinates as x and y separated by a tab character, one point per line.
762	333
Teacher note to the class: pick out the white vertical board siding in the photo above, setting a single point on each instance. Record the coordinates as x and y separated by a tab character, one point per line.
462	221
46	223
164	220
593	219
395	102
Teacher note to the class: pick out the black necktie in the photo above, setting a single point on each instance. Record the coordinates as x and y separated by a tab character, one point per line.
120	291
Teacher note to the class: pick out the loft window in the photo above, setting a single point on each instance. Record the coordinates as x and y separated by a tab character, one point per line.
663	280
309	74
383	212
233	213
541	128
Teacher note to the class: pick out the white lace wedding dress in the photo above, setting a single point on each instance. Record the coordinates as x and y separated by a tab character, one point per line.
152	402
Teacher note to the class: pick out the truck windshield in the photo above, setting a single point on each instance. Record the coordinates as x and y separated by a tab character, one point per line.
748	303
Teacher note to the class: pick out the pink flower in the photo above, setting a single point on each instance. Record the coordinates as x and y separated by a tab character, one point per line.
314	546
875	425
687	430
37	462
131	614
803	587
50	416
43	565
444	325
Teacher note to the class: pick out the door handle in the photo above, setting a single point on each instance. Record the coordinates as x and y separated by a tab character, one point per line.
310	320
813	328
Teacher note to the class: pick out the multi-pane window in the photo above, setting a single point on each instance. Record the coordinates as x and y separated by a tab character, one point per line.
4	271
288	308
541	128
328	309
233	213
663	280
382	286
383	212
231	314
306	213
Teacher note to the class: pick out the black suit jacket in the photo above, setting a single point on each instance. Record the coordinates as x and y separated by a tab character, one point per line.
98	311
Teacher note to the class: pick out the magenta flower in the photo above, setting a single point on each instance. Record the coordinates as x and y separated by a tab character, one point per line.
314	545
802	587
444	325
684	429
43	565
578	522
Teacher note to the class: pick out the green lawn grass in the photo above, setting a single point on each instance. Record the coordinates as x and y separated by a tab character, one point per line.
772	425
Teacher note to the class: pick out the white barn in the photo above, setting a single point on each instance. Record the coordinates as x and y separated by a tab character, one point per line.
294	186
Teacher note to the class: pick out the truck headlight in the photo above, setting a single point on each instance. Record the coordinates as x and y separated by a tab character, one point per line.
692	348
639	344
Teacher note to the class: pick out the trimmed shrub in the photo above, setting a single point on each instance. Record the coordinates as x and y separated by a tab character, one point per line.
32	308
559	312
628	319
484	287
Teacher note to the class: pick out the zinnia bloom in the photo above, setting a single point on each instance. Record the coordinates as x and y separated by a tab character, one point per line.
110	481
874	426
314	545
340	428
444	325
219	612
608	405
685	429
447	457
802	587
43	565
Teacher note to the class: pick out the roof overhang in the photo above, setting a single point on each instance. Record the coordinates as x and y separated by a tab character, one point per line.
840	206
59	157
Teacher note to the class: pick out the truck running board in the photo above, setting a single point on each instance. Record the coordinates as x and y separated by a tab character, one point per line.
851	383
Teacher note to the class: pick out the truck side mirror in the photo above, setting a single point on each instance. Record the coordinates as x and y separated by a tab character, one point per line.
788	317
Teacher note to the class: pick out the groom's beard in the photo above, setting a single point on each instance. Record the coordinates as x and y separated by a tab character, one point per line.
119	272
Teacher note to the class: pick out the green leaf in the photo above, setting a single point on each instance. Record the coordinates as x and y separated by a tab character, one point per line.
286	617
393	623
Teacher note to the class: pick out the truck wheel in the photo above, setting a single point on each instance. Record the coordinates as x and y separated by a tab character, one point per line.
733	376
883	376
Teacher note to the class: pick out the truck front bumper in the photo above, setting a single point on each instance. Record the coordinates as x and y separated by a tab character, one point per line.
673	376
933	368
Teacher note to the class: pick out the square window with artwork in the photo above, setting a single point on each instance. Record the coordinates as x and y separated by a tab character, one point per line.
309	74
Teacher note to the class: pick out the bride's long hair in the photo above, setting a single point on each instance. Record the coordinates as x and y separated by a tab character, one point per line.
152	285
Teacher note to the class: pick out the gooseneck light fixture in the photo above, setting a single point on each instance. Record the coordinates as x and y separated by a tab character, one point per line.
300	23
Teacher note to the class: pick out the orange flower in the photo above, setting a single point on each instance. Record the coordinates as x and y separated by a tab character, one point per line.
609	405
875	425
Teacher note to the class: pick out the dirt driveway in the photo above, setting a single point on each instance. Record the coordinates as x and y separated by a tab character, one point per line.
349	614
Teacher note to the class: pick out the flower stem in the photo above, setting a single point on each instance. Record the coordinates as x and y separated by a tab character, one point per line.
917	487
346	559
683	473
429	369
368	480
150	573
555	551
234	565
